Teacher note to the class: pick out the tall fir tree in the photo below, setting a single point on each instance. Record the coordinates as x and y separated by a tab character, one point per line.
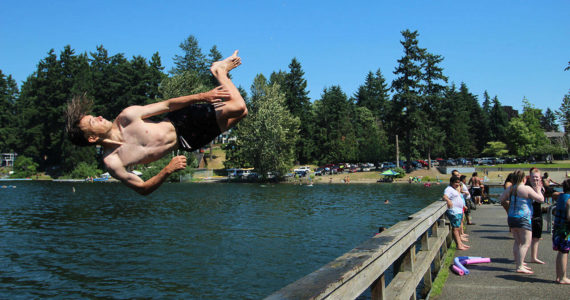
406	103
458	138
498	121
563	113
430	134
548	121
298	103
334	132
476	120
9	93
192	58
374	95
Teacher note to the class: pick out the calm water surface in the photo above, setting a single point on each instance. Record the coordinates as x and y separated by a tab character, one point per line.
193	241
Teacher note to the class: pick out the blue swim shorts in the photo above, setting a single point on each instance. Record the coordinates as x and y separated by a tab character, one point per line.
454	219
560	243
523	223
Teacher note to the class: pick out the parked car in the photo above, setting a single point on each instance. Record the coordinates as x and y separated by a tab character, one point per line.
423	162
304	169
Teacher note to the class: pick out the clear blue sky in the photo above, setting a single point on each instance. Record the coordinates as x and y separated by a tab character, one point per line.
512	49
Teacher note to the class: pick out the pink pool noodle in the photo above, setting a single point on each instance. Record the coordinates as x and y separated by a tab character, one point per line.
476	261
457	270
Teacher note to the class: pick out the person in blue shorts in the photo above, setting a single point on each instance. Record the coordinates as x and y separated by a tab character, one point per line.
561	233
518	199
452	195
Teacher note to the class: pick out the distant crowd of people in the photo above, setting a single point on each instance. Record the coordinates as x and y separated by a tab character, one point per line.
522	199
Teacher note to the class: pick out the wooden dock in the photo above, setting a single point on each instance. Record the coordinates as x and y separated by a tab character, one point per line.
490	237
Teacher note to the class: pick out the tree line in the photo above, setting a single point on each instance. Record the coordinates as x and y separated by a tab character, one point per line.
430	117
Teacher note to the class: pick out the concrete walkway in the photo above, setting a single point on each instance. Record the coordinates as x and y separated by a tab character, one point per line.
490	237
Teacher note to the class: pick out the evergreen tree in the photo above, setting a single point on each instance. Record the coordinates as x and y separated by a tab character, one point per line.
458	141
155	76
213	56
279	78
430	135
498	122
486	104
334	133
548	121
563	113
407	101
374	95
298	103
192	59
476	120
44	97
8	95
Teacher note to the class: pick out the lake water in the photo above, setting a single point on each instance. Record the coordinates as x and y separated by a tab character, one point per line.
191	241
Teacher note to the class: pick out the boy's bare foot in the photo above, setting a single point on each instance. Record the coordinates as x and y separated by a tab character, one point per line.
537	261
524	271
227	64
564	281
463	247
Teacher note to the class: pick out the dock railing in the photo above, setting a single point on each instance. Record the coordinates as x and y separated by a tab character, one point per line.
365	266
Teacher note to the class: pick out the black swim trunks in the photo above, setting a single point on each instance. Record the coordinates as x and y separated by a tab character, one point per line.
476	191
195	125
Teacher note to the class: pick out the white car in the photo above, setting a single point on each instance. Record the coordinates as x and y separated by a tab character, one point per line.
303	169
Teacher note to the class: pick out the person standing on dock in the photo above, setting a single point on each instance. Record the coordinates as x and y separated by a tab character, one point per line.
132	138
476	187
518	201
452	195
548	190
535	179
561	233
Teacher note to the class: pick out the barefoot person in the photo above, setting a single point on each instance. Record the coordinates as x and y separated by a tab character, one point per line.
454	212
518	201
134	139
476	187
536	224
561	233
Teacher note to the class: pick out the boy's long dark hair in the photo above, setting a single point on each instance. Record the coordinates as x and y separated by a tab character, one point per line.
77	108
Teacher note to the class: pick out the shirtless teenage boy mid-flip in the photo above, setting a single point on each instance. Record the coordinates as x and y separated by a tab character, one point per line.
134	139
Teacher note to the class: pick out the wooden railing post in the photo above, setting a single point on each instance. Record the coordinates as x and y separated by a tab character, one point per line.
379	288
427	283
408	259
425	242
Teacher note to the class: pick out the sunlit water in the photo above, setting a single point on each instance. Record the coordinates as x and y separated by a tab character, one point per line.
193	241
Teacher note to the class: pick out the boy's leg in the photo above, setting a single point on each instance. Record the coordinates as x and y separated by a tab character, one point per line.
561	262
234	109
